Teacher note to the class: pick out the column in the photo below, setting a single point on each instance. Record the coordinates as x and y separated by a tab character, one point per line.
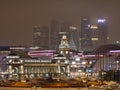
10	69
22	69
59	71
68	69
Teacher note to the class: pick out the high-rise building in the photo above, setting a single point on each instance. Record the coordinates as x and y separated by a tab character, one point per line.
86	42
54	34
102	30
74	37
99	33
41	37
94	36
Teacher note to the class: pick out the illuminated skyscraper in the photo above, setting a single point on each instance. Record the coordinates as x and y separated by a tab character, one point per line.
102	30
94	36
41	37
86	42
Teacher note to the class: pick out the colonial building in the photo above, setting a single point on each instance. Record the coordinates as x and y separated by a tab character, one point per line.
40	64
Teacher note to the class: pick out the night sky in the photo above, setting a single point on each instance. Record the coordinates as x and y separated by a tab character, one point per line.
17	17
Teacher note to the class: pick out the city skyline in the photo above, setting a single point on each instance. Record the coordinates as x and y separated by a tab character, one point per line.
18	18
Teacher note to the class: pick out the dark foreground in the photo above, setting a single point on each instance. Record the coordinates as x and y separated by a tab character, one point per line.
38	88
33	88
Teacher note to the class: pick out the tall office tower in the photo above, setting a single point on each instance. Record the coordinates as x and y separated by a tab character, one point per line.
86	42
41	37
74	37
65	27
54	34
94	36
102	30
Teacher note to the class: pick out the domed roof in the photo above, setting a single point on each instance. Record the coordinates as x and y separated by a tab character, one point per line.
106	48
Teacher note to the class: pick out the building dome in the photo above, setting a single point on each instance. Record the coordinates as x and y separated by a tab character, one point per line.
106	48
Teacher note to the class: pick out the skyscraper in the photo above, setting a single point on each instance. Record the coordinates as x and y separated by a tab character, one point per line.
94	36
54	34
86	42
102	30
74	37
41	37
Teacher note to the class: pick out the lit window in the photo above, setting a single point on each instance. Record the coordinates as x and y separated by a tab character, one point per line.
84	62
61	52
66	52
94	39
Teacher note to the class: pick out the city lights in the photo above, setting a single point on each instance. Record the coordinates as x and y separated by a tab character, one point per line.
94	27
101	20
73	28
60	44
94	39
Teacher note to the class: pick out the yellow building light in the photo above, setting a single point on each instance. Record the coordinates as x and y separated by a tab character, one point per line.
94	39
94	27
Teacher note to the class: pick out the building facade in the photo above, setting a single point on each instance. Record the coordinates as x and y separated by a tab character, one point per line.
28	68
